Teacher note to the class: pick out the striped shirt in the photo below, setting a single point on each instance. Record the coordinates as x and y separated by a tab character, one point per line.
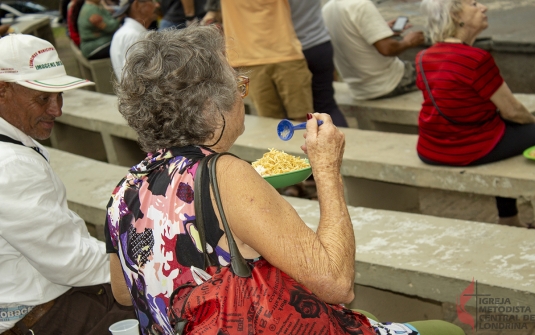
462	79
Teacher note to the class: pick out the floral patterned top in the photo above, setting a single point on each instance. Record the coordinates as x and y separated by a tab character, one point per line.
150	224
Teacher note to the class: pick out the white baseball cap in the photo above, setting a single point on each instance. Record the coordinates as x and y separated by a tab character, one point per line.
34	63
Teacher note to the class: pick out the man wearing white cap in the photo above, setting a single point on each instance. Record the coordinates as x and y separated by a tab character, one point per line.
51	268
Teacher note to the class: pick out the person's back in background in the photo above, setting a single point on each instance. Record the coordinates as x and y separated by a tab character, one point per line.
365	54
318	51
96	27
139	15
261	40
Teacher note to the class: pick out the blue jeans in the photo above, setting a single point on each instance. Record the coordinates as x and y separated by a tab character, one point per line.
164	24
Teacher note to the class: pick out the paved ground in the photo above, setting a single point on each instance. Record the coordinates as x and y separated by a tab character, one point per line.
509	20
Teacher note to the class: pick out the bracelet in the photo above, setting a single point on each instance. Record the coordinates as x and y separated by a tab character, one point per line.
189	18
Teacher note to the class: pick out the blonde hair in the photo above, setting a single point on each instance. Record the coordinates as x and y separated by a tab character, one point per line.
440	18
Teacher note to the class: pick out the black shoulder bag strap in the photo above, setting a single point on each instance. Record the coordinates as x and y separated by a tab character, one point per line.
4	138
434	102
237	263
199	216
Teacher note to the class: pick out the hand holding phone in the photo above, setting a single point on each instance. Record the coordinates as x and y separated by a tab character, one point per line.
400	24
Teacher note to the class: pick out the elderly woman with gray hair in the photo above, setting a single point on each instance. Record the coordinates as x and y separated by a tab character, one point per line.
469	115
184	100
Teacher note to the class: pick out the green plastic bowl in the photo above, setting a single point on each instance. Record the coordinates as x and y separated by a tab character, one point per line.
289	178
527	153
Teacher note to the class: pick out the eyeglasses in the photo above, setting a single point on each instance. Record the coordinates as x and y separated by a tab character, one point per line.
243	85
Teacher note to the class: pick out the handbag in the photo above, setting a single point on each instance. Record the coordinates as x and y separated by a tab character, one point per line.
250	297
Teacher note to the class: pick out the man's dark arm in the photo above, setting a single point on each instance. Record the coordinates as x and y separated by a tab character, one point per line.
213	6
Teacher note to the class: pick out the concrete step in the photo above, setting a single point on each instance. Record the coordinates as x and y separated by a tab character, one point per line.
380	170
401	258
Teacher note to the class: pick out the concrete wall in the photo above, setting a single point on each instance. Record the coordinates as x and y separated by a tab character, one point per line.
516	64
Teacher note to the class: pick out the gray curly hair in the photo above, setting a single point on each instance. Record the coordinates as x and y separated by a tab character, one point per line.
174	84
441	18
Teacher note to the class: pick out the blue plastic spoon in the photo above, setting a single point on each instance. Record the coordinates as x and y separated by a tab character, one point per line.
285	129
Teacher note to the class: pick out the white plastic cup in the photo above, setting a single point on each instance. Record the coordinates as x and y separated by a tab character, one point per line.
125	327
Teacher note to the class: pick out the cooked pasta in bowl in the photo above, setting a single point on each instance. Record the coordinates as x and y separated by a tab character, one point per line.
281	169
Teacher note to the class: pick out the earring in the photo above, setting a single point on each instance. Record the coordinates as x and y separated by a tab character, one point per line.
461	24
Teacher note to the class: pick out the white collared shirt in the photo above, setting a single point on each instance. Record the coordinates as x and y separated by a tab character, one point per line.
129	33
45	248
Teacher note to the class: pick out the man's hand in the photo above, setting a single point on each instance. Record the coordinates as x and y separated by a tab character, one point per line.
407	26
212	17
414	38
97	21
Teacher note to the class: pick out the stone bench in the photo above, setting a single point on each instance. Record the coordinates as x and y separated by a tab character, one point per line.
98	71
415	256
39	27
396	114
91	126
89	184
381	170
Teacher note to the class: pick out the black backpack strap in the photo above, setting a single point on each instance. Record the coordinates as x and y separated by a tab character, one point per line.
4	138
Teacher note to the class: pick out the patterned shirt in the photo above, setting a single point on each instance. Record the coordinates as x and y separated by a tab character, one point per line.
151	226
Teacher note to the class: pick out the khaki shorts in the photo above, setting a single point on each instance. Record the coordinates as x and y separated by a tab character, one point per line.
281	90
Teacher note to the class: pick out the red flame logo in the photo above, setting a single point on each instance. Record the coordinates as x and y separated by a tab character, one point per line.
462	314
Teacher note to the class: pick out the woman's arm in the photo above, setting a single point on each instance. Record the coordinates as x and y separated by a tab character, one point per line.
510	108
189	7
118	284
263	220
103	21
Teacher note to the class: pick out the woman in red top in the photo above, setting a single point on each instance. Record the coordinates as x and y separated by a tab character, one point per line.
469	115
